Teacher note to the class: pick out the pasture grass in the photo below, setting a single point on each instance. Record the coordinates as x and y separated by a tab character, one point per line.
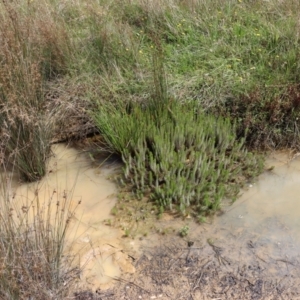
236	59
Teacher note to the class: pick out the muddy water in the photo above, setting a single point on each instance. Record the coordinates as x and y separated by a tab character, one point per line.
269	211
263	224
97	247
265	219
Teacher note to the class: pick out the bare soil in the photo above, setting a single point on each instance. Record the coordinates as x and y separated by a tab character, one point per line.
190	270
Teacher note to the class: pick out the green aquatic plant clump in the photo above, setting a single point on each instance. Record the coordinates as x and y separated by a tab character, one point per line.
179	156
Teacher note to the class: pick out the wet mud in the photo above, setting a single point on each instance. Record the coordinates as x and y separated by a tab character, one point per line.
97	249
249	252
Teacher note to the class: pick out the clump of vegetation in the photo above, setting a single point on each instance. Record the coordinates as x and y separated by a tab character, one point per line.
34	264
237	59
184	231
179	156
28	145
30	54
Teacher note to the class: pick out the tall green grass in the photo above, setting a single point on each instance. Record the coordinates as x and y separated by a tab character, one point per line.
182	158
178	155
237	59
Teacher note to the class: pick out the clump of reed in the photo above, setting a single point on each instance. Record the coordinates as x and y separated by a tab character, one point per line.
180	157
28	146
33	49
34	264
176	153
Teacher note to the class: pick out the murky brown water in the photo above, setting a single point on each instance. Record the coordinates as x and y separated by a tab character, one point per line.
267	215
97	247
269	211
249	252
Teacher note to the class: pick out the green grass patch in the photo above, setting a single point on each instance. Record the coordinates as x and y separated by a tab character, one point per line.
180	157
216	53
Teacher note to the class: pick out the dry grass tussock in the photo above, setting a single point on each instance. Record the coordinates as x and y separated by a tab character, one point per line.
34	264
34	48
